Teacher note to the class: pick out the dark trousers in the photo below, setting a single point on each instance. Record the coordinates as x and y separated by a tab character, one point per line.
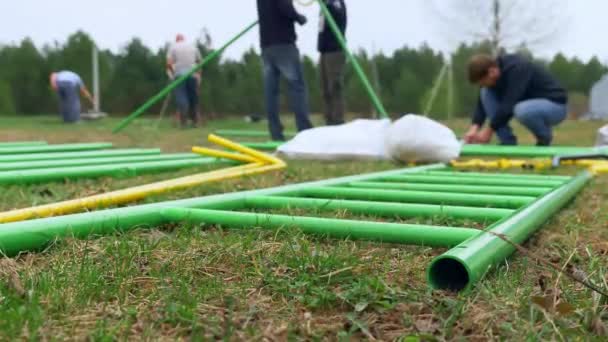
69	101
284	60
186	98
332	84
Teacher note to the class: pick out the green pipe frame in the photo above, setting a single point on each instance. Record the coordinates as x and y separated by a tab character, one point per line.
475	253
54	148
163	93
33	157
36	234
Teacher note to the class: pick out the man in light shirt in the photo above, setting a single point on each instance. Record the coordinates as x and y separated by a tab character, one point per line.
181	58
69	86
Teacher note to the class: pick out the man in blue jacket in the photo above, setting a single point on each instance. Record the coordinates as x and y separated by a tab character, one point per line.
332	62
512	86
282	57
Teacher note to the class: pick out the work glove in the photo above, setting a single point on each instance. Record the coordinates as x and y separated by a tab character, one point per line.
302	20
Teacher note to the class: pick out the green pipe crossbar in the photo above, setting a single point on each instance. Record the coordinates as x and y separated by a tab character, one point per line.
378	208
248	133
515	217
116	170
54	148
31	157
264	146
465	189
374	231
526	151
46	164
497	181
509	202
22	143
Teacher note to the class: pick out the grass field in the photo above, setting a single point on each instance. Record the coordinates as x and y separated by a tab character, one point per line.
190	283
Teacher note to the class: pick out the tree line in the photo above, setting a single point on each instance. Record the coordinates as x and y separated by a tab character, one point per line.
404	79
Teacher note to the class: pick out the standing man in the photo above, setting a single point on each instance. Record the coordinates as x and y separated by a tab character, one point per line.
512	86
68	85
181	58
332	62
281	57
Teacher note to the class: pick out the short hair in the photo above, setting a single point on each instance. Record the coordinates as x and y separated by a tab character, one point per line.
479	65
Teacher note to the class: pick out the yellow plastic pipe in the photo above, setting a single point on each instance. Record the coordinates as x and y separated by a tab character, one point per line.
140	192
599	169
246	150
223	154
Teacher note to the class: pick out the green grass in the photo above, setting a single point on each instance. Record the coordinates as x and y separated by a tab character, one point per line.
203	283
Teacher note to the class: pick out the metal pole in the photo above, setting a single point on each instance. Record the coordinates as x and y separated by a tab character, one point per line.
96	93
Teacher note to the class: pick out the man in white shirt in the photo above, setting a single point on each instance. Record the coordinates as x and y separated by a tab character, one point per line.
181	58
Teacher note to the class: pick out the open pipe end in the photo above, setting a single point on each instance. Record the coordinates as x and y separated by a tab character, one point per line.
447	273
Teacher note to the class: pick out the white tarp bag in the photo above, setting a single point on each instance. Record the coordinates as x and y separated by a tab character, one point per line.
602	136
415	138
359	139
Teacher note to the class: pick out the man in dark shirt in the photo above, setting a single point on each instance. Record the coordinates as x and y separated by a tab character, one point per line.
512	86
281	57
332	62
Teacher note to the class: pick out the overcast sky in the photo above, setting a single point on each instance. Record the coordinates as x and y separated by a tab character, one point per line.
380	25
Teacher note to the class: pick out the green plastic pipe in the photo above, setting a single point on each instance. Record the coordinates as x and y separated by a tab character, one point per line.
525	151
124	170
378	208
463	189
248	133
341	229
358	70
32	157
473	181
463	266
508	202
498	175
22	143
36	234
55	148
163	93
265	146
46	164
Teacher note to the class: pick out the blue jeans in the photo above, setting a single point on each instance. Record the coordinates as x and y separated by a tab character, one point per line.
537	115
284	60
69	101
186	98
